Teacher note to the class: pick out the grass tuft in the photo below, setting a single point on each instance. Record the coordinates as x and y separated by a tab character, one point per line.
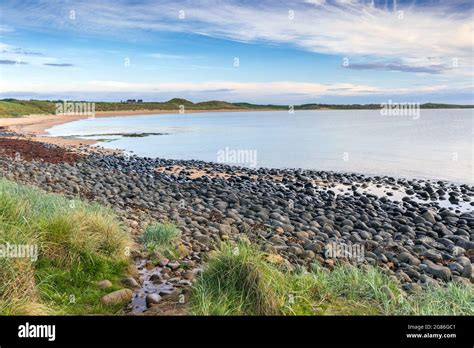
238	280
78	244
162	237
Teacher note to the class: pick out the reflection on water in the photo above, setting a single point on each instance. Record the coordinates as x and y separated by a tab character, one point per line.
436	145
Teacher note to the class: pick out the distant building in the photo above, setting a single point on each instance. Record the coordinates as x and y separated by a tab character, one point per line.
140	101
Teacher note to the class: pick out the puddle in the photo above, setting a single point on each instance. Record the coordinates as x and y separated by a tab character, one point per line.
398	195
148	286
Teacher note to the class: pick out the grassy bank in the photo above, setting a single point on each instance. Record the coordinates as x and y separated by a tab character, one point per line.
17	108
240	280
77	244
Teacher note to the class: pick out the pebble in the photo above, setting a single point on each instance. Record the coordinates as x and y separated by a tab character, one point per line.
104	284
130	282
401	233
438	271
119	296
152	299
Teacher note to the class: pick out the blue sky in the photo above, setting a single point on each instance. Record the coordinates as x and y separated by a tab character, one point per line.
288	52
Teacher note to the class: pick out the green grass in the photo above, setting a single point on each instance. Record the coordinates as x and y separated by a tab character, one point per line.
78	244
238	280
16	108
454	299
162	237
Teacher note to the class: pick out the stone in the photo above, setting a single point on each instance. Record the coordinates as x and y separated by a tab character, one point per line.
412	288
295	250
152	299
130	282
275	258
156	279
189	275
314	247
461	280
116	297
433	256
412	273
467	271
163	262
429	216
279	231
277	240
173	265
403	277
104	284
408	258
302	235
175	296
440	272
203	239
308	254
456	268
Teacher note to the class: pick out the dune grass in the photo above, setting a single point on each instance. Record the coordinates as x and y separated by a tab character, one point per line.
77	245
238	280
454	299
17	108
162	237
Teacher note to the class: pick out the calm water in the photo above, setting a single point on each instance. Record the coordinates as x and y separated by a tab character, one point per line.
438	144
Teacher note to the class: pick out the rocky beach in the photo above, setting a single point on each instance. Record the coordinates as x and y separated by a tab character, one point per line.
419	232
192	172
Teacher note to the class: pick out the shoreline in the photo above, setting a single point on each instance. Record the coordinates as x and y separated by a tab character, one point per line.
35	126
295	214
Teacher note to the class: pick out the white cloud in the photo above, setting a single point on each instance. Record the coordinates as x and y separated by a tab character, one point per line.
416	40
316	2
308	90
166	56
5	47
349	28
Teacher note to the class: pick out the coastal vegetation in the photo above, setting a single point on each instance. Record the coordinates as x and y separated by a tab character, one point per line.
242	280
72	246
215	256
162	237
16	108
80	244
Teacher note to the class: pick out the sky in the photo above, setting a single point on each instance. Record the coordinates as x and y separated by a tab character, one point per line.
268	51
